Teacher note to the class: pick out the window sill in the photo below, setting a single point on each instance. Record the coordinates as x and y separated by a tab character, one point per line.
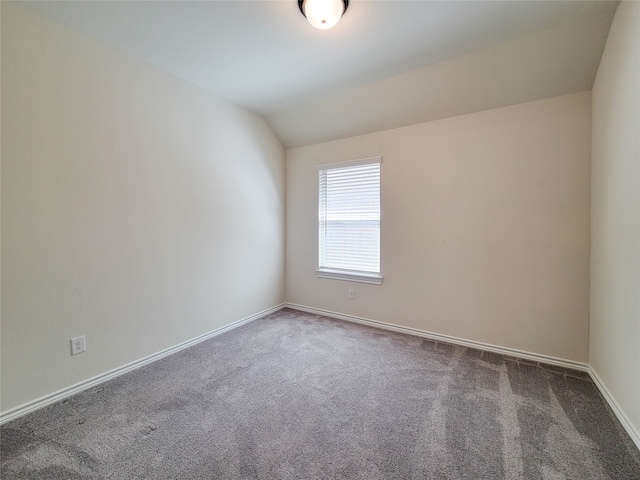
371	278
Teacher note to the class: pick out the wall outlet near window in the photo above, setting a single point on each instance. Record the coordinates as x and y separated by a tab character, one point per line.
352	294
78	345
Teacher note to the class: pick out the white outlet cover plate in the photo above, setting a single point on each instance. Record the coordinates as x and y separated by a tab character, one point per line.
78	345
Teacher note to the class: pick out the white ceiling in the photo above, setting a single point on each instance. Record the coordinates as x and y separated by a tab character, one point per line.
386	64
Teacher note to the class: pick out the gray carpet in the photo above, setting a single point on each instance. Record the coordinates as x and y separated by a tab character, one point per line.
298	396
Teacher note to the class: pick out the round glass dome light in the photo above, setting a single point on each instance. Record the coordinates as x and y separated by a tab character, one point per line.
323	14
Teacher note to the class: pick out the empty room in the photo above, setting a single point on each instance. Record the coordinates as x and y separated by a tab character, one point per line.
320	239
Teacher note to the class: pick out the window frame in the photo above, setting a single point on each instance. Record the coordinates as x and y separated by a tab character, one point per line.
344	274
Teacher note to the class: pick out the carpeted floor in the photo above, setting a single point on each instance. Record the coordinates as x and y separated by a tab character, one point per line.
298	396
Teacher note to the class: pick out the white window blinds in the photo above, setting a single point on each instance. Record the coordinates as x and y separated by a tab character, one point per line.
349	218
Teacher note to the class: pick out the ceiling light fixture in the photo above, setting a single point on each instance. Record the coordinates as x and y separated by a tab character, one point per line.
323	14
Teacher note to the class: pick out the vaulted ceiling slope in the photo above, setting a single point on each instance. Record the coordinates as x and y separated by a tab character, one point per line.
386	64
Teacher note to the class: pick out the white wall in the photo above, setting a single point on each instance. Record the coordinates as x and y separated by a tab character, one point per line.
485	228
615	253
137	209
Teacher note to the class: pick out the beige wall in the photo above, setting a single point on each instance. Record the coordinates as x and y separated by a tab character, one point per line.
137	209
615	254
485	228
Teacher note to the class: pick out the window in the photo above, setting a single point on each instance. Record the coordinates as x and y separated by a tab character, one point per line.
349	221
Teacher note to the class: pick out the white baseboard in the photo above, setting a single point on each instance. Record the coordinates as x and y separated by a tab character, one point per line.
54	397
617	409
512	352
609	398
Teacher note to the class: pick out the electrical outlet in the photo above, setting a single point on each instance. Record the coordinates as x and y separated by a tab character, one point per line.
352	294
78	345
